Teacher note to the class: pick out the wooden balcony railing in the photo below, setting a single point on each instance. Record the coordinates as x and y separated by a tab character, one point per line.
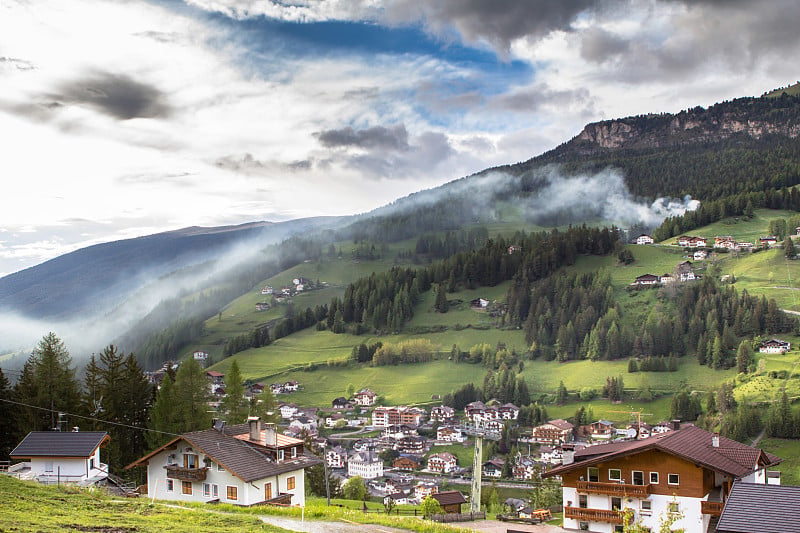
594	515
712	508
614	489
186	474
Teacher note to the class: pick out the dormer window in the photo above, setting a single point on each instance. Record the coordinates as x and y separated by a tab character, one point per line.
280	455
294	452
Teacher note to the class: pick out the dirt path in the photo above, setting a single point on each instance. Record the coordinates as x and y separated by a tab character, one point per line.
316	526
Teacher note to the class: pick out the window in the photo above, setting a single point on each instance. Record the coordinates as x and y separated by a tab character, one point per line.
646	506
673	479
215	491
619	529
638	477
280	455
674	507
48	466
654	478
206	490
616	503
267	491
220	468
290	483
614	474
186	487
583	501
170	485
294	452
233	493
91	463
189	460
594	474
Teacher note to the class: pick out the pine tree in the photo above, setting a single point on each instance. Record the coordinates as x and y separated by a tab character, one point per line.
7	418
191	396
561	394
441	304
744	356
57	389
234	406
137	401
788	248
92	393
163	418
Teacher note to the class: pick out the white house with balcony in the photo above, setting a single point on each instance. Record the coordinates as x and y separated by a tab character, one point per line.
61	457
246	464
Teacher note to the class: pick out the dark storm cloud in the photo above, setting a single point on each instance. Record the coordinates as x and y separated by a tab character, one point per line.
532	99
116	95
499	22
380	137
427	151
599	45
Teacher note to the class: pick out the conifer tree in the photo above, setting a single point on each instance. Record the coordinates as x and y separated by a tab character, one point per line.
7	418
234	405
163	417
50	384
191	395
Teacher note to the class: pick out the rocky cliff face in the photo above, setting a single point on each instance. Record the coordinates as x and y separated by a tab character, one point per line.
751	117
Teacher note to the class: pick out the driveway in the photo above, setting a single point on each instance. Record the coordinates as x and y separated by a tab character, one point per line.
317	526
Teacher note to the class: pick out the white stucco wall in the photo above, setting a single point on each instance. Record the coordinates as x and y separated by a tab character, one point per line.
247	493
693	520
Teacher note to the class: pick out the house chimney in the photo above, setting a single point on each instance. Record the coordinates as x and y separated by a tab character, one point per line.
715	440
568	457
675	424
255	428
270	435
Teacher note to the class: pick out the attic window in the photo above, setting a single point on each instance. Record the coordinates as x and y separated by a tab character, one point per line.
673	479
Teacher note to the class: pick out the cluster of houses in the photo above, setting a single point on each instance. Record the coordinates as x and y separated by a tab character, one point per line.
299	284
603	467
683	272
726	242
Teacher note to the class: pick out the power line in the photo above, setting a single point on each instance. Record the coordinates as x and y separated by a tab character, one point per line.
89	418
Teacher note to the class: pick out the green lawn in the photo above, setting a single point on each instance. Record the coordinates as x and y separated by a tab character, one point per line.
789	451
30	507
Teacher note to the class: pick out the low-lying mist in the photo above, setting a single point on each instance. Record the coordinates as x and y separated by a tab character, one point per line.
546	196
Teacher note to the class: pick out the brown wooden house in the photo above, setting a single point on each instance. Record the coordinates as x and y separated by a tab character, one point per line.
450	501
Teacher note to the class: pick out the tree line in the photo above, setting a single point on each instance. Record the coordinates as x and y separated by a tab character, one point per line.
114	396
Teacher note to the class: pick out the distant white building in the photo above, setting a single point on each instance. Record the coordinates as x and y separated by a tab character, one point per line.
644	239
366	464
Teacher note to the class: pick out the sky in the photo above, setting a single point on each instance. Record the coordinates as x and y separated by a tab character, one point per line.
126	118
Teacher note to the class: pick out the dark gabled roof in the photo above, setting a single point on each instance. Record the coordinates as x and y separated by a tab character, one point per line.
756	508
240	458
60	444
450	497
690	443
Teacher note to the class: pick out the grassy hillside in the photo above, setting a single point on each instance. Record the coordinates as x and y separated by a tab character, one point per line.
793	90
317	358
30	507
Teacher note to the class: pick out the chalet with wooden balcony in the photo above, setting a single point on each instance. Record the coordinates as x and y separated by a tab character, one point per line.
246	464
688	470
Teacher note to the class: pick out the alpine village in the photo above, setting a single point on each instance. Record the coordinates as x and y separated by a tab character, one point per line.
458	365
